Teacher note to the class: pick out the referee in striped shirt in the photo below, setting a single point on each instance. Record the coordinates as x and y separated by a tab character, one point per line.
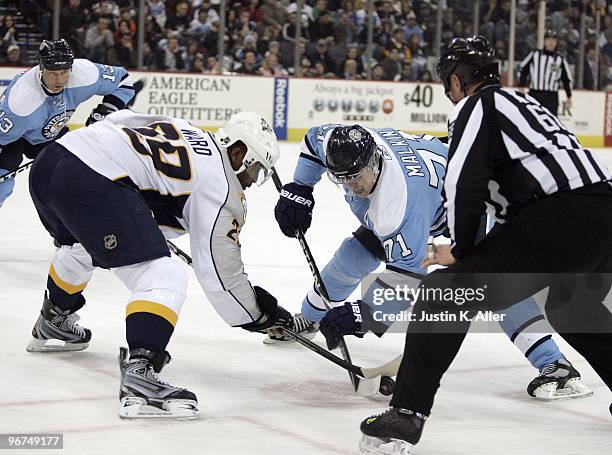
552	200
544	68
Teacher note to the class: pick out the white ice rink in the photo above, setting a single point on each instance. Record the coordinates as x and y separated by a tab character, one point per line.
257	399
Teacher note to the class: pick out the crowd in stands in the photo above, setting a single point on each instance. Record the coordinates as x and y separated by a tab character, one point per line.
183	35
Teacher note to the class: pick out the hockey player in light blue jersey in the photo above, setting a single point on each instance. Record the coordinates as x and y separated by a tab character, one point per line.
393	183
37	105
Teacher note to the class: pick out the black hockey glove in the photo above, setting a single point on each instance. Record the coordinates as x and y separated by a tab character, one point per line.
352	318
100	113
294	208
273	316
340	321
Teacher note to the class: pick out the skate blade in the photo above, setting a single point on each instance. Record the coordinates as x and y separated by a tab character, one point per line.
138	408
574	388
370	445
39	345
286	339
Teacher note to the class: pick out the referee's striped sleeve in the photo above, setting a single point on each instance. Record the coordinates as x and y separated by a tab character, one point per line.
566	78
469	171
524	69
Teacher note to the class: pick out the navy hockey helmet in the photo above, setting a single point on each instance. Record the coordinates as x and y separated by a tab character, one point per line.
350	150
55	55
471	59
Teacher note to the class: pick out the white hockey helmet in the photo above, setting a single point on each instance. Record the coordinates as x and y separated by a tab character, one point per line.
262	146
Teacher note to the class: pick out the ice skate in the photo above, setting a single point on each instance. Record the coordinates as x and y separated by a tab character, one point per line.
394	432
301	326
56	330
558	380
144	395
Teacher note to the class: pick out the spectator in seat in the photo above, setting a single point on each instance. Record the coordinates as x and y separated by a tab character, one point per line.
212	65
305	68
73	20
406	75
382	36
350	70
191	52
181	19
345	31
392	64
127	14
378	73
13	56
7	31
288	30
397	42
249	63
123	53
352	53
322	27
123	27
321	54
319	70
157	10
198	65
273	13
98	40
249	43
200	25
210	11
271	67
412	27
152	57
425	76
173	59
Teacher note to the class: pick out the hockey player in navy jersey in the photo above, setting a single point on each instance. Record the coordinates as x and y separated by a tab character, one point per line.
37	104
393	183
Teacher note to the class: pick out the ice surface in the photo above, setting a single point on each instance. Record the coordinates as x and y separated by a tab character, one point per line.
258	399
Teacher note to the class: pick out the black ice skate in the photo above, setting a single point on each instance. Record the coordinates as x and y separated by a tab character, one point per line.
394	432
144	395
56	325
301	325
558	380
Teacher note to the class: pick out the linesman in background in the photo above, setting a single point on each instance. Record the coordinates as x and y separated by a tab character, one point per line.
543	69
552	200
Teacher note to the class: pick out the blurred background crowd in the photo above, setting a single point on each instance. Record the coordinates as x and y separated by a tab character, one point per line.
260	35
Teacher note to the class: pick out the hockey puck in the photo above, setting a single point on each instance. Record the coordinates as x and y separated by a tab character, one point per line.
386	385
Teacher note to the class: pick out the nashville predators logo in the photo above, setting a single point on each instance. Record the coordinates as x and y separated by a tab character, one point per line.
55	124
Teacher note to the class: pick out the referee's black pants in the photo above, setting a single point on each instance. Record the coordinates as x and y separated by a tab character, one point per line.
546	98
563	242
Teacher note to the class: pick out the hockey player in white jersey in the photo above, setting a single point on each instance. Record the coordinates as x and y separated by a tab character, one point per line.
109	194
37	105
393	183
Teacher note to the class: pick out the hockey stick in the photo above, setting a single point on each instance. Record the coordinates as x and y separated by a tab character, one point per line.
319	285
388	369
11	175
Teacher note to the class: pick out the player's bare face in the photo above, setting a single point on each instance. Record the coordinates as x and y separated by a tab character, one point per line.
362	185
550	44
245	180
55	81
236	155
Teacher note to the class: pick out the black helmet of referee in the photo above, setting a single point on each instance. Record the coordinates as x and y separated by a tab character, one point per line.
470	59
550	33
55	55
